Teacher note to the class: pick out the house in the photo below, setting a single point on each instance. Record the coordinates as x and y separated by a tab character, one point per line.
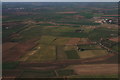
110	19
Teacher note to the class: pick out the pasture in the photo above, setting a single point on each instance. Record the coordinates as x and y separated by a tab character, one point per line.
45	53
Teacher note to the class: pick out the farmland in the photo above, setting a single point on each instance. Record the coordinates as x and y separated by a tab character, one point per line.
59	40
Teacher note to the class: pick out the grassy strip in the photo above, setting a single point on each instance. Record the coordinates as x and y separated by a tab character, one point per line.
10	65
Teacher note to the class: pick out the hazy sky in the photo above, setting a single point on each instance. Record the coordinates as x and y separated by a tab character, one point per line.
60	0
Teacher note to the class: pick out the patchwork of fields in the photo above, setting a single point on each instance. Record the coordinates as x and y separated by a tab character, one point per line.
50	48
59	40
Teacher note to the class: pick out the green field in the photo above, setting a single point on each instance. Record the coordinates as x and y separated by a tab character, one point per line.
61	41
47	40
92	53
37	74
45	53
58	33
111	77
10	65
72	54
65	72
60	53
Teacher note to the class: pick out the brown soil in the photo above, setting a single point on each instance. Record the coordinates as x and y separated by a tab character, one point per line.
8	73
115	39
73	41
86	43
96	69
13	51
8	45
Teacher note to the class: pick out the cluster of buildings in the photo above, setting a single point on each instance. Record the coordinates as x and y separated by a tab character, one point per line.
109	19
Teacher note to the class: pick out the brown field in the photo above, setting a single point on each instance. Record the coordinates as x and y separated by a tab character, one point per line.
96	69
13	51
80	69
73	41
11	74
8	45
12	23
85	41
116	39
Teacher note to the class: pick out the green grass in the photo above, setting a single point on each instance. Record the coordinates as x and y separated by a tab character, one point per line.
95	76
84	22
89	46
61	53
63	29
116	47
92	53
34	32
72	54
65	72
7	32
61	41
45	24
74	34
37	74
45	53
10	65
99	33
47	39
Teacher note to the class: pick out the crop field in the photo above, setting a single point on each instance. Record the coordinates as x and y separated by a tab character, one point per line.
72	54
73	41
37	74
59	40
47	40
103	69
46	74
45	53
92	53
60	53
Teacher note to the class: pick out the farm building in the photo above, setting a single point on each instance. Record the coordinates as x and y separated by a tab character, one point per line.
110	19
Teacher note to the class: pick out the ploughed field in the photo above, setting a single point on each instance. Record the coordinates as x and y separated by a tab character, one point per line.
50	41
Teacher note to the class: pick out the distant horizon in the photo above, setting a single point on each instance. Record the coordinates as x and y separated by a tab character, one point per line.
60	1
56	2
